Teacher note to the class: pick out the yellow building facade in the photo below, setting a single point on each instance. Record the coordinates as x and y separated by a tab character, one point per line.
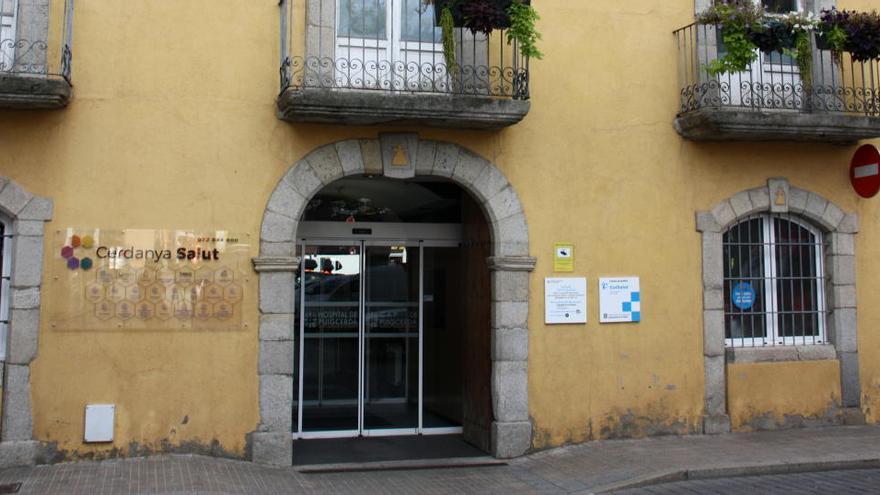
170	123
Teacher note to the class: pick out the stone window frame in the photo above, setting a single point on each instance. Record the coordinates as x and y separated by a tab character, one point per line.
6	237
839	229
509	264
27	215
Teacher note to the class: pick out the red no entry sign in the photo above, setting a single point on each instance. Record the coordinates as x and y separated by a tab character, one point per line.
864	172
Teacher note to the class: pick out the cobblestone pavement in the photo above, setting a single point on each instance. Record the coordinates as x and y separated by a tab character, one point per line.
836	482
577	469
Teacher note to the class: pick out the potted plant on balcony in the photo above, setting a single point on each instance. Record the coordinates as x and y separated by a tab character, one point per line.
477	15
745	29
734	20
484	16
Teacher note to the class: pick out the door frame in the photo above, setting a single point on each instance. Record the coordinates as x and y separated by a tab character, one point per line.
509	263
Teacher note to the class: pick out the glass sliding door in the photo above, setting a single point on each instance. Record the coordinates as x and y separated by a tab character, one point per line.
379	340
391	338
329	344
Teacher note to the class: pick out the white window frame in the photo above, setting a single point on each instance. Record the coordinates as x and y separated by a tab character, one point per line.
771	303
781	68
7	35
5	282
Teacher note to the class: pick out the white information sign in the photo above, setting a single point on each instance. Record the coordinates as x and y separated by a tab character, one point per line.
620	300
565	300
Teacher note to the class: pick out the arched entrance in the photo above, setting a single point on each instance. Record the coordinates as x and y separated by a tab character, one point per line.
400	156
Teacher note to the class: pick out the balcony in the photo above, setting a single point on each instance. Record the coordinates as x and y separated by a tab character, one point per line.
382	62
839	102
35	56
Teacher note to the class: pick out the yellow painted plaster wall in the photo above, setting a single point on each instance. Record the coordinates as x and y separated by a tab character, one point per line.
771	395
173	126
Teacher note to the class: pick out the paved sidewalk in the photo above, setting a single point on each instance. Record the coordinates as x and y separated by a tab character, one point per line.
586	468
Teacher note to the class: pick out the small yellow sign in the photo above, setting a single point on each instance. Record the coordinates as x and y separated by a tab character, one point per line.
563	257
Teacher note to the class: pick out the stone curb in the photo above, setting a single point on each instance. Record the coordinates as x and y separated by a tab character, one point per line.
672	476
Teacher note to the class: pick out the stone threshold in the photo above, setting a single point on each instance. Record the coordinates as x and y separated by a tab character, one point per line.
449	463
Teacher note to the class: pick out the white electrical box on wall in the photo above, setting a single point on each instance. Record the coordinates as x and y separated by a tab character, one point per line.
100	419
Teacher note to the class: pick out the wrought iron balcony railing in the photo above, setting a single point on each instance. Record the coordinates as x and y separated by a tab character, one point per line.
392	47
33	42
773	81
35	53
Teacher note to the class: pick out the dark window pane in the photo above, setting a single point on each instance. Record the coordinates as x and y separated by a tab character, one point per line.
780	6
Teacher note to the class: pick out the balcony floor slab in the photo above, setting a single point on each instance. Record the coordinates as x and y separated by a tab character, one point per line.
714	124
355	107
34	91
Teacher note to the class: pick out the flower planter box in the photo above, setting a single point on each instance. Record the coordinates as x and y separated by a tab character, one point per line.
458	17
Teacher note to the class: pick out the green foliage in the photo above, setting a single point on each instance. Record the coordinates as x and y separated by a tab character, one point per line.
803	54
741	53
522	29
837	39
737	14
448	36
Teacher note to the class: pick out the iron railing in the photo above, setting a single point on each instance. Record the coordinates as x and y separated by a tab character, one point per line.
36	40
392	46
774	81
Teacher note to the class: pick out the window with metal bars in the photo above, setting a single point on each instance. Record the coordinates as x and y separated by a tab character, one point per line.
774	288
5	281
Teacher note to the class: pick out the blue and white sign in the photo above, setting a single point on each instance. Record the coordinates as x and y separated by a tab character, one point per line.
620	300
743	296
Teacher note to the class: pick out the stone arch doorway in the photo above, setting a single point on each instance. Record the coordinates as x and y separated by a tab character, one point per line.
398	156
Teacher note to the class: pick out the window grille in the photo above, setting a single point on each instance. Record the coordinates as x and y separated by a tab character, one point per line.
774	286
5	282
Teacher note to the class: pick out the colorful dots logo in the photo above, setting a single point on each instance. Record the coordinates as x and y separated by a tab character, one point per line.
70	250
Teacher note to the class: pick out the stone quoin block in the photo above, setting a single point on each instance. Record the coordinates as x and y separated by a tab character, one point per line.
510	286
277	292
27	260
273	448
37	209
325	163
286	201
17	422
303	179
276	357
278	327
510	344
277	228
425	157
511	439
724	214
445	159
276	402
713	332
13	198
24	329
350	157
510	391
503	205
